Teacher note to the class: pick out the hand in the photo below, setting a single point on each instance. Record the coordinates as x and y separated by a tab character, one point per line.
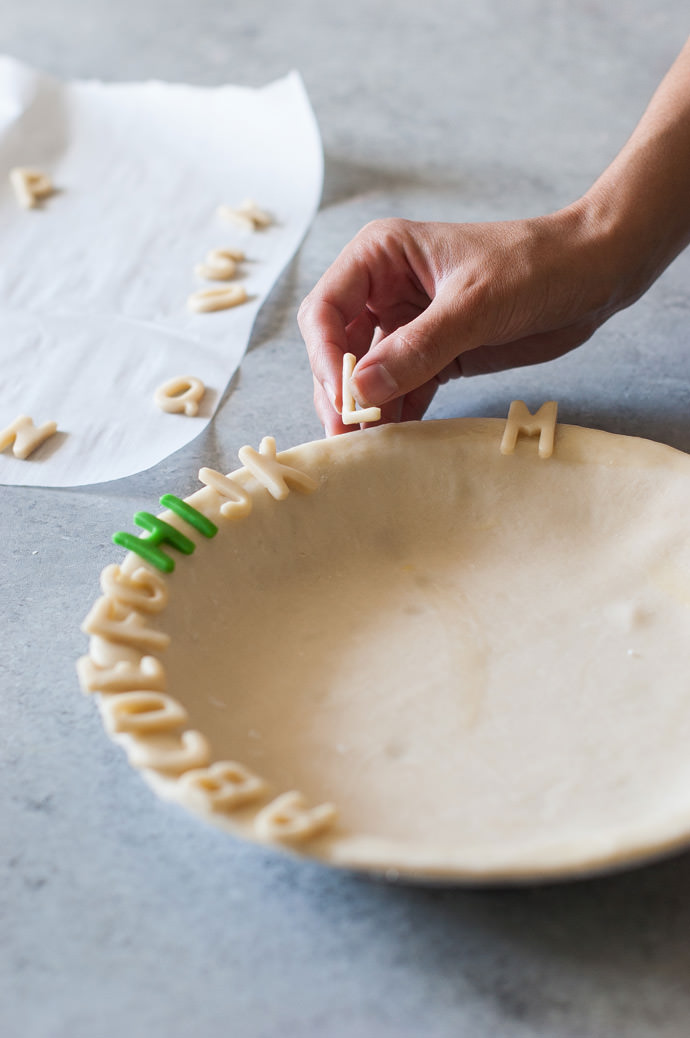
419	303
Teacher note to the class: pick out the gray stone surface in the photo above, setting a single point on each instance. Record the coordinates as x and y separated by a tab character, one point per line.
123	916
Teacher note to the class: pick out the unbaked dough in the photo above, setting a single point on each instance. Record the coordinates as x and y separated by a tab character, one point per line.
30	186
350	414
219	264
480	661
208	299
24	437
180	395
247	215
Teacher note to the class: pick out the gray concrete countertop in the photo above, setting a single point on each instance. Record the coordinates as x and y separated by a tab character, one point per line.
123	916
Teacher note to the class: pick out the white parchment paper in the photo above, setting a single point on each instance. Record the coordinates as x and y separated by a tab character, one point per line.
94	282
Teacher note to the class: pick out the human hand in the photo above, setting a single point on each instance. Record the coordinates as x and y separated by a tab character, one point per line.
419	303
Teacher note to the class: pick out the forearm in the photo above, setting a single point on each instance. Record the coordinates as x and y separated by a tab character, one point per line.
640	206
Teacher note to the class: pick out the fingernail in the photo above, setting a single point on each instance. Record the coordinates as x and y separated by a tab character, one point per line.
374	385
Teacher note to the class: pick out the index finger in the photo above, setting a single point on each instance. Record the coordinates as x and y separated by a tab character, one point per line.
337	299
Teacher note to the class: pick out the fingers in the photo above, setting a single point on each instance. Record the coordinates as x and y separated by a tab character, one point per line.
328	412
328	369
369	286
414	355
421	303
335	319
333	314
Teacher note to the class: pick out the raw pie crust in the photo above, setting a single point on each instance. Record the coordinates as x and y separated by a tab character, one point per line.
444	661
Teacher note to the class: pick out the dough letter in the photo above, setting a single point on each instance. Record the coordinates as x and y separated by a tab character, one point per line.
111	620
123	676
219	265
159	532
273	474
169	753
521	420
142	713
288	818
179	395
208	299
222	786
29	186
238	503
143	590
24	436
350	415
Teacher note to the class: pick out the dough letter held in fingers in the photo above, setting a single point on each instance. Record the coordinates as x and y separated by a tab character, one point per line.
350	414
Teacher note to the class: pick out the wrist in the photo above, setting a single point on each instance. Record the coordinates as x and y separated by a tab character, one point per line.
638	211
623	244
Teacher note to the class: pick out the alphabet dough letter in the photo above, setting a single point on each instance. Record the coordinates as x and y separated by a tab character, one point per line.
219	265
123	676
143	590
222	786
181	394
169	753
208	299
29	186
24	436
521	420
142	713
270	472
350	415
238	502
289	819
115	622
248	216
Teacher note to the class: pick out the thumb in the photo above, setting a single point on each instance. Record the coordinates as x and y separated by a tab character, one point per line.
413	354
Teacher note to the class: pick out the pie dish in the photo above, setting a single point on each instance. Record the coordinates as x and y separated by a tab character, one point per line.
406	652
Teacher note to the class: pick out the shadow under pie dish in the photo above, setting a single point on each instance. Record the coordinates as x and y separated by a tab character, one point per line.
404	651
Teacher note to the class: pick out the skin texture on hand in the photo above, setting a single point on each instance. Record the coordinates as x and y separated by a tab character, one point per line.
419	303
